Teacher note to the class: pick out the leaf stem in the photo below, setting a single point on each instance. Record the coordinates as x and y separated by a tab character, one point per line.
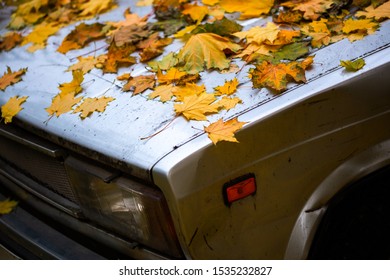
161	130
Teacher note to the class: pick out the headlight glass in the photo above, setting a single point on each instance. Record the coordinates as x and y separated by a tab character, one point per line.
124	206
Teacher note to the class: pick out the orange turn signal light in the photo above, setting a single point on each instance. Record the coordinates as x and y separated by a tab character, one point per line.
239	188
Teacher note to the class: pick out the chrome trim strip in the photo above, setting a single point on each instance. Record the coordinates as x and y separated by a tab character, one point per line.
22	137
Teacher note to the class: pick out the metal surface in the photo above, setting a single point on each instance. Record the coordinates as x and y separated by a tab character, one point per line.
129	118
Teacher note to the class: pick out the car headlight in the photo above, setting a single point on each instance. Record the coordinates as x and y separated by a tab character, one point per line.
131	209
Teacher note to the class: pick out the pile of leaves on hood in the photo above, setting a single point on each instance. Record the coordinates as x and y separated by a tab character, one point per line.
213	39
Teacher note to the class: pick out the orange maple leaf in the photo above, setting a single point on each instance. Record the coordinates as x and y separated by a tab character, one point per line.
94	7
206	50
12	107
276	76
10	78
228	103
195	107
172	75
312	9
223	131
10	40
38	37
118	57
81	36
90	105
139	84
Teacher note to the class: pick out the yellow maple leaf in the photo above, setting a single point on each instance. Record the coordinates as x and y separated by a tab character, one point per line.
165	92
62	103
197	13
365	25
223	131
90	105
195	107
10	78
228	88
206	50
86	64
38	37
6	206
378	13
259	34
228	103
73	87
248	9
180	92
94	7
172	75
12	107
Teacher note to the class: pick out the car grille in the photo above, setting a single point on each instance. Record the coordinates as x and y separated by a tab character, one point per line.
24	162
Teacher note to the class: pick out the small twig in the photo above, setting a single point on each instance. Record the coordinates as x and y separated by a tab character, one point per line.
161	130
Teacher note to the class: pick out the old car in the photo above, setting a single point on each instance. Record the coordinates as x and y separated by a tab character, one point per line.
308	178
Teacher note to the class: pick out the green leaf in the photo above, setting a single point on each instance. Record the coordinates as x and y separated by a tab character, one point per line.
353	66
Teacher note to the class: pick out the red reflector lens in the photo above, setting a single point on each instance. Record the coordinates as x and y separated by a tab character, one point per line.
239	188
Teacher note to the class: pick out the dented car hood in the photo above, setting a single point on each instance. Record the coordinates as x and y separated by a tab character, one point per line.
135	132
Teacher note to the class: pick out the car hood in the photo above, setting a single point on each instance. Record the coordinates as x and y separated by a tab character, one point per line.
134	131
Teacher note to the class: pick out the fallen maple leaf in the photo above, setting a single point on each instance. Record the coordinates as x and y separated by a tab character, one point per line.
206	50
228	88
118	57
381	12
10	40
6	206
276	76
62	103
197	13
259	34
352	25
90	105
10	78
312	9
181	92
171	76
353	66
81	36
223	131
12	107
73	87
249	8
139	84
86	64
228	103
195	107
94	7
164	92
39	36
